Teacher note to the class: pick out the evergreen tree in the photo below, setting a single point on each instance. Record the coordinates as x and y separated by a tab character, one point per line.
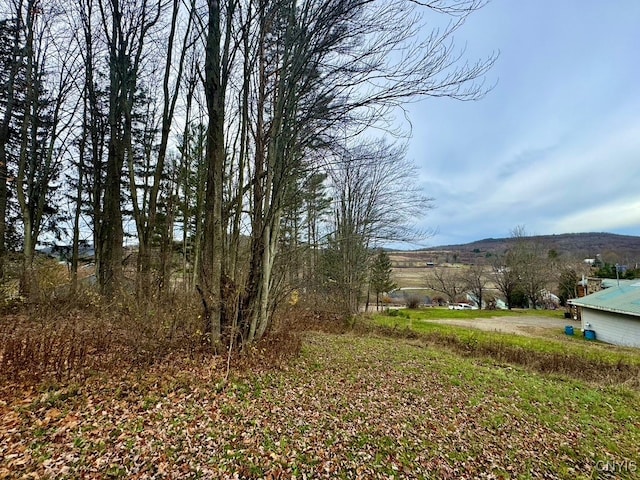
380	280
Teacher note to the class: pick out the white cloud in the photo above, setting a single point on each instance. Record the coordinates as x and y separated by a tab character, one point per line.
620	214
550	189
556	145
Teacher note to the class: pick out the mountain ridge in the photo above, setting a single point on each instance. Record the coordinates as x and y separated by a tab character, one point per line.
611	247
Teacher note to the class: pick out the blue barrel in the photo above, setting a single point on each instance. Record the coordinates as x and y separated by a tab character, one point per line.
590	334
568	330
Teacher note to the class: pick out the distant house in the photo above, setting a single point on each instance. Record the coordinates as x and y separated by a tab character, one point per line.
613	313
549	300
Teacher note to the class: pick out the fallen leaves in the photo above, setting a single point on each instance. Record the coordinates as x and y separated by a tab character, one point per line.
349	407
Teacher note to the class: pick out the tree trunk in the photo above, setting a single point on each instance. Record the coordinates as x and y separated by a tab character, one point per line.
27	158
111	231
212	241
366	305
9	105
3	201
75	245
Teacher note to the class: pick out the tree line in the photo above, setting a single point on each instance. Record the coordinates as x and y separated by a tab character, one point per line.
524	275
247	147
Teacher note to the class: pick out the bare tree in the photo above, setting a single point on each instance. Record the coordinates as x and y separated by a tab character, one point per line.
448	281
476	282
375	200
126	25
216	75
529	261
46	120
289	92
327	70
94	124
525	267
145	200
505	278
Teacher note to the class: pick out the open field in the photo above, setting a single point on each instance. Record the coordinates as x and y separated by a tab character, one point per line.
410	276
440	313
419	277
350	406
523	322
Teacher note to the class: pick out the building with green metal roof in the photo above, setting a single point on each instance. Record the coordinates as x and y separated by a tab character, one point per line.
613	314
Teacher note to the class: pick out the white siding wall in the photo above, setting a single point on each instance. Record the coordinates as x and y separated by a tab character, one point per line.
611	327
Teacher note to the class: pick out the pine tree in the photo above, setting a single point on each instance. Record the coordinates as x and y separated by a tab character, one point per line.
380	279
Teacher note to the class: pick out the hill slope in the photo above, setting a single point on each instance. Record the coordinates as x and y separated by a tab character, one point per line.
349	407
612	248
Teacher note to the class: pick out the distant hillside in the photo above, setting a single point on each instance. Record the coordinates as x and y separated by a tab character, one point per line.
612	248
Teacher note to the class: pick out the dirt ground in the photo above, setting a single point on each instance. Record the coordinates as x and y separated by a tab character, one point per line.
531	326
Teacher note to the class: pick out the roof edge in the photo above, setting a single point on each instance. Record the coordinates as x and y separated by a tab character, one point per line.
605	309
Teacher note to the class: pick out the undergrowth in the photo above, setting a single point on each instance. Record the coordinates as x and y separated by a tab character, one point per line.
73	336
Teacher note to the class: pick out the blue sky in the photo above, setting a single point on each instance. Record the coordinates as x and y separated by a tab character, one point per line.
556	145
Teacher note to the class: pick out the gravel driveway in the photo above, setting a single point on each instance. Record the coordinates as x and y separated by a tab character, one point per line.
530	326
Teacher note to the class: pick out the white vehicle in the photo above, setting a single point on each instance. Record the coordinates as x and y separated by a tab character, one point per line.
462	306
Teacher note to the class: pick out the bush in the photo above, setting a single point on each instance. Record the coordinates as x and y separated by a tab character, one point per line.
66	337
413	301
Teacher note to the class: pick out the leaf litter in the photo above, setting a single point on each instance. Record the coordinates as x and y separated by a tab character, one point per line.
348	407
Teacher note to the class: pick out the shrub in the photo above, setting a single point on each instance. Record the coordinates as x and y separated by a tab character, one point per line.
67	336
413	301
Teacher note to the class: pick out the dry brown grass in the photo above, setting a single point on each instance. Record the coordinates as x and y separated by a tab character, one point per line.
73	335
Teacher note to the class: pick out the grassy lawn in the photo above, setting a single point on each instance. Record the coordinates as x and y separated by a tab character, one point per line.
437	313
555	342
351	406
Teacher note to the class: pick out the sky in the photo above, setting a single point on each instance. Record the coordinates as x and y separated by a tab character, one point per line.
555	146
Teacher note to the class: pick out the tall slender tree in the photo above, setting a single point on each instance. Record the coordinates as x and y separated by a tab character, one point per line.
380	279
12	74
45	126
126	26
